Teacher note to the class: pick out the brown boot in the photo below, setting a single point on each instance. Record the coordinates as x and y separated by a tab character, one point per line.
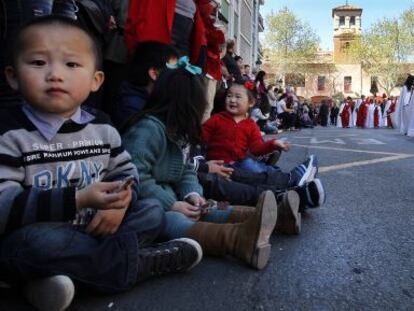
240	214
247	241
289	218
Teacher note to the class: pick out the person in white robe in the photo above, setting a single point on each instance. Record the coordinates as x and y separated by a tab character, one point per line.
369	122
405	108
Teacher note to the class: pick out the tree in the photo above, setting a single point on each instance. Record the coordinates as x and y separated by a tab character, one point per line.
289	43
385	48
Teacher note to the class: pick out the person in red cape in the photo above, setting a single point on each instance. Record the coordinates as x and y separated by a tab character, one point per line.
215	39
362	114
346	112
377	115
390	111
150	20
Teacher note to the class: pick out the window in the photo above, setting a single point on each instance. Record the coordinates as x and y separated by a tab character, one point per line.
225	9
341	20
352	21
321	83
348	84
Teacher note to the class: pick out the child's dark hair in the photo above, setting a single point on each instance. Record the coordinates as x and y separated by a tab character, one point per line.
57	20
147	55
178	100
250	90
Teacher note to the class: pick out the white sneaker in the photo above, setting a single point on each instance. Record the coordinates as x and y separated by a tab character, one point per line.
54	293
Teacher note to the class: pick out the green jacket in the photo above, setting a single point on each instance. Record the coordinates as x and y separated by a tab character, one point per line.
160	163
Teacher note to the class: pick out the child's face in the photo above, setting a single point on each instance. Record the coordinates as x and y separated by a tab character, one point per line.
56	70
237	101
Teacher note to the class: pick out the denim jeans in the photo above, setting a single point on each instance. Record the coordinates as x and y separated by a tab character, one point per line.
15	13
177	224
254	166
108	264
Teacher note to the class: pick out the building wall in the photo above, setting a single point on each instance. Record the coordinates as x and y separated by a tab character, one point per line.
244	27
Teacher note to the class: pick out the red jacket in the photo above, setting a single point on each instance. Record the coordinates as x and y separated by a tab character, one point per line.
230	141
152	20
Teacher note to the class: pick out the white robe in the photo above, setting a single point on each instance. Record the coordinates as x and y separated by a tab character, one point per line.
404	116
410	117
369	122
384	116
353	118
339	120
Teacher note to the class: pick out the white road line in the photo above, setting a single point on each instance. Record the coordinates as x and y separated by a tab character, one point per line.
337	167
353	150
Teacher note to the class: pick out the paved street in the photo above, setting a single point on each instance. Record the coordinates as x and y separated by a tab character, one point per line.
354	253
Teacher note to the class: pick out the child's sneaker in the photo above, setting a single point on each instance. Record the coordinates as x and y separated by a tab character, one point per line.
311	194
177	255
53	293
305	172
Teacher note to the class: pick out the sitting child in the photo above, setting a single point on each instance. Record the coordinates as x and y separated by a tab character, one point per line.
261	114
230	135
159	141
61	164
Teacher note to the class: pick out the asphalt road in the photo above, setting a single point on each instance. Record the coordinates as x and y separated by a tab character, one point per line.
354	253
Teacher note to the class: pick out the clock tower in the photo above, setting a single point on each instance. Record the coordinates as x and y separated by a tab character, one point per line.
347	26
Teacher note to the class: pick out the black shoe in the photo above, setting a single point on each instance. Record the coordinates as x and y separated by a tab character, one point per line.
177	255
312	194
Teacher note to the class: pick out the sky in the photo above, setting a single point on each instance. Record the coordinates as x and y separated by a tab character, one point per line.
318	13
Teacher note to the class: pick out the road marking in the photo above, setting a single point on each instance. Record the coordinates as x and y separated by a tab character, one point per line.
350	150
336	167
342	166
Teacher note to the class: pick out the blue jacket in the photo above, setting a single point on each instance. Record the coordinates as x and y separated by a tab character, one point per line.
131	100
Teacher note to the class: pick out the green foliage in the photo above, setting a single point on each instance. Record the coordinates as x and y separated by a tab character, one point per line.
385	49
288	42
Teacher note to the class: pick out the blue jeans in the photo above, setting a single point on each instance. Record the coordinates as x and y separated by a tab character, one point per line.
14	14
108	264
254	166
177	224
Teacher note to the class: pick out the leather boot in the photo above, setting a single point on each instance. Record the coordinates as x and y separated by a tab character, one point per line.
241	214
288	217
247	241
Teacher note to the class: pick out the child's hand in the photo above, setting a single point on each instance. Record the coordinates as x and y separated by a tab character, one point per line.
106	222
217	167
285	146
101	195
195	199
191	211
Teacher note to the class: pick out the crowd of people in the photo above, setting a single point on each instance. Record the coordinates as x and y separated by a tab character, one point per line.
175	168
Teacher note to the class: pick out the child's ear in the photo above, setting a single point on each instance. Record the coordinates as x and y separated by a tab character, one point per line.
11	77
98	79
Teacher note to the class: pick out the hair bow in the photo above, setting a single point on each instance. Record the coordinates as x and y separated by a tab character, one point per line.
249	85
184	62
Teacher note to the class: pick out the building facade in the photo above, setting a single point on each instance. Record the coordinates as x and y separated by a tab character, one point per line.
244	23
335	72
